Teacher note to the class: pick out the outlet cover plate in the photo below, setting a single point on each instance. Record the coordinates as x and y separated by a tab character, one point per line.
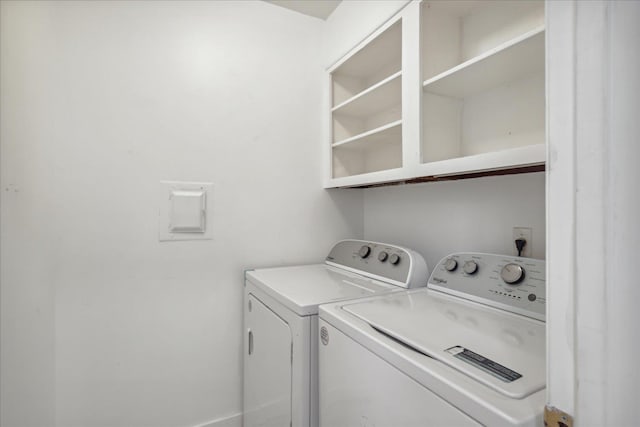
522	233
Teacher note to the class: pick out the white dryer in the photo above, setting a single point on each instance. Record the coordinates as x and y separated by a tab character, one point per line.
281	324
468	350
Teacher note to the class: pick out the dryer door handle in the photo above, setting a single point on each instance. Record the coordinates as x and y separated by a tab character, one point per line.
250	343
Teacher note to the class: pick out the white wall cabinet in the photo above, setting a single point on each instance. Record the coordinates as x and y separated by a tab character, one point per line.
373	119
442	89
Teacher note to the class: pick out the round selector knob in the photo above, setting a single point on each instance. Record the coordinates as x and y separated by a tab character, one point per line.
382	256
394	259
512	273
470	267
364	251
450	264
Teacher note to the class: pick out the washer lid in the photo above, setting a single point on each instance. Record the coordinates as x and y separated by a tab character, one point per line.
501	350
303	288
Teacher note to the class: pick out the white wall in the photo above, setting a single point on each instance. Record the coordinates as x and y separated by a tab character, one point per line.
623	234
440	218
593	210
102	325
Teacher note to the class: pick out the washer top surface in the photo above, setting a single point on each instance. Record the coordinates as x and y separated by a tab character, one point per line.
303	288
499	349
475	336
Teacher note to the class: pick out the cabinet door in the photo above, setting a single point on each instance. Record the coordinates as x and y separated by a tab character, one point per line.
267	367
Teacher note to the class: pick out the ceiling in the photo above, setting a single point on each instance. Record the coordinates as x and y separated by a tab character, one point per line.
316	8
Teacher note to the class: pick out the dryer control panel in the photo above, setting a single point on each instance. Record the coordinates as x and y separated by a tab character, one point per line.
389	263
510	283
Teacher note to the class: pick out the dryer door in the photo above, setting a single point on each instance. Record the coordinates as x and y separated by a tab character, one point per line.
267	367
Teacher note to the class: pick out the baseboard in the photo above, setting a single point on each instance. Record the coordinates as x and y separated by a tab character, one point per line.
230	421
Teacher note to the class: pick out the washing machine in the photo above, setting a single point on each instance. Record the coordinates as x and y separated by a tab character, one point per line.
467	350
281	324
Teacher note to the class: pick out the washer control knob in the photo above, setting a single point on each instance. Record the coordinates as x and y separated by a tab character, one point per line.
470	267
394	259
364	251
382	256
450	264
512	273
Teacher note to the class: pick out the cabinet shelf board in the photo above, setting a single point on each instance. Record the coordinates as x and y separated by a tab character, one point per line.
365	179
517	57
382	133
513	157
379	97
359	183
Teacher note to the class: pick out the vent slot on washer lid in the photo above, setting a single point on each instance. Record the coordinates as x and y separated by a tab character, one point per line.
399	341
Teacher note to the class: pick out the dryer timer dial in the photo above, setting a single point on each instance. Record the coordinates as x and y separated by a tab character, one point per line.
450	264
470	267
364	251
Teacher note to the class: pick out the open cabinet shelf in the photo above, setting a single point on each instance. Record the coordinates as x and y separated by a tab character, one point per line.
392	130
443	89
510	158
380	155
372	65
507	62
366	106
483	105
374	100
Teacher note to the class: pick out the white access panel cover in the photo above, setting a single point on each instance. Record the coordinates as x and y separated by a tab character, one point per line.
303	288
185	211
503	351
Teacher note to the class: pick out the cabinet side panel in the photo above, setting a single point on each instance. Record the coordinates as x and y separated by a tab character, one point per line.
440	40
345	87
347	163
386	156
512	115
488	27
380	119
384	72
441	130
345	127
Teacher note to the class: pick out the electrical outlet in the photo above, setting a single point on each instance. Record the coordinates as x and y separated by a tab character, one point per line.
522	233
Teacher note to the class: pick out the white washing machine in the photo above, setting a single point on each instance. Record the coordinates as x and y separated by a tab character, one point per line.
467	350
281	324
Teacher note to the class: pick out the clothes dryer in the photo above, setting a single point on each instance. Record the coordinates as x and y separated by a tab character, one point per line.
281	325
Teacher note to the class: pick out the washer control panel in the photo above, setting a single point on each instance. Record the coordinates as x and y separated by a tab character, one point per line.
394	264
511	283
